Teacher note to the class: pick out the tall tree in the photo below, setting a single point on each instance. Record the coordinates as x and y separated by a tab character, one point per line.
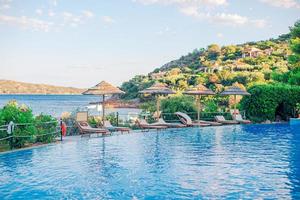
294	59
214	51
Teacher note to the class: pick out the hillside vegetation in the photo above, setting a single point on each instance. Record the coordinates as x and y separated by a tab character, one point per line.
218	66
269	70
14	87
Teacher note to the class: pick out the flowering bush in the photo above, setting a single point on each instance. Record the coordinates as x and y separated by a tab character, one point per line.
20	115
29	129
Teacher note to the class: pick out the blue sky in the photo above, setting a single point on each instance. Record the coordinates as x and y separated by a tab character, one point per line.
81	42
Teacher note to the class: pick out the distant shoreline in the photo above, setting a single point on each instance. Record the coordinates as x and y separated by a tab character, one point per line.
111	103
9	87
37	94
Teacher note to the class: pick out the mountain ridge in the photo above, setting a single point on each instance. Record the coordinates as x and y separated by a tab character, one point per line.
17	87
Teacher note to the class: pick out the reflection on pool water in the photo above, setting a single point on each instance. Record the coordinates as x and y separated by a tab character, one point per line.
254	161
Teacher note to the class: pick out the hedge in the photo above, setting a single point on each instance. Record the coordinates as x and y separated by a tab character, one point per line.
265	99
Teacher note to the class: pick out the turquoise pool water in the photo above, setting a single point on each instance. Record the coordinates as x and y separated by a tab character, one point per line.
233	162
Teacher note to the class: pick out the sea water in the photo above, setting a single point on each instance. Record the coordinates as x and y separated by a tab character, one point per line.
55	105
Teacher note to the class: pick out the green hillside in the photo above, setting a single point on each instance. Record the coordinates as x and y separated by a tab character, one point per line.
218	66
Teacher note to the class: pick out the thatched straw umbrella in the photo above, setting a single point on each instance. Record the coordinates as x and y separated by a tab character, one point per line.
157	89
199	91
102	89
234	90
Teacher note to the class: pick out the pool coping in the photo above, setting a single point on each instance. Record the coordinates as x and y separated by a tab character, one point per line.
67	140
117	134
28	148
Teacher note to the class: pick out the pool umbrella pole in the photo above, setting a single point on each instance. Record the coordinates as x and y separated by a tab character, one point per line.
103	88
103	108
198	91
157	106
234	106
234	90
198	102
157	89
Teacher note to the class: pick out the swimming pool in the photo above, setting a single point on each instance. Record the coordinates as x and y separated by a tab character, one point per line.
254	161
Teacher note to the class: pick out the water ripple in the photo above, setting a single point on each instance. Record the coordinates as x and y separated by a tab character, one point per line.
233	162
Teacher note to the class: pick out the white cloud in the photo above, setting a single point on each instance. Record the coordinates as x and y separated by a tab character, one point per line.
73	24
70	19
5	4
39	11
260	23
61	20
74	20
283	3
26	23
190	11
166	31
67	15
236	20
184	2
4	7
108	19
215	2
220	35
197	9
229	19
88	14
51	13
54	2
223	18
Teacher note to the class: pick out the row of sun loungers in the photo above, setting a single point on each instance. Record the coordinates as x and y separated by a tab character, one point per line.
86	129
186	121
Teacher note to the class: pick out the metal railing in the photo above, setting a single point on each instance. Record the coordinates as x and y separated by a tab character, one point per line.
16	135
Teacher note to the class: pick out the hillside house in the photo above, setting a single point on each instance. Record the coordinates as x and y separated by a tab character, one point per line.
157	75
252	52
268	51
212	69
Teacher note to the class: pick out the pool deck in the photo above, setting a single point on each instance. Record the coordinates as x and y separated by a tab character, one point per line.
75	138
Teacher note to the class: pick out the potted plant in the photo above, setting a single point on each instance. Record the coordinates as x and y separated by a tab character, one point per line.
298	109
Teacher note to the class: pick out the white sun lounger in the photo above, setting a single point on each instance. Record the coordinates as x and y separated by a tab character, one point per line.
222	120
186	120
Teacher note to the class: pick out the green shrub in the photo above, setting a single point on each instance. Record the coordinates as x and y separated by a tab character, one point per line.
28	129
210	106
20	115
178	104
45	125
148	106
266	99
112	117
294	78
95	121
